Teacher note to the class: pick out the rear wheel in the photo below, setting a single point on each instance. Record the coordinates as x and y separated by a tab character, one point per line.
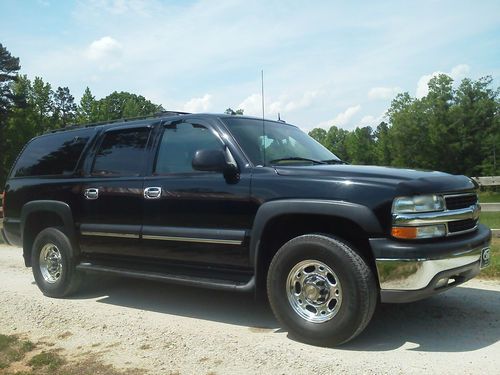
321	290
53	263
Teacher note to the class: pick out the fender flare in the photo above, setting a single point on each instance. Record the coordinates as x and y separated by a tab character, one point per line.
361	215
61	209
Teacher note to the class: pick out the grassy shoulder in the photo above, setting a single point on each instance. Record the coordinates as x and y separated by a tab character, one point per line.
491	219
489	196
22	357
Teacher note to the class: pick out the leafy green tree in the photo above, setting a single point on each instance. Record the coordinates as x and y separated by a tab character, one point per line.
383	144
86	109
477	118
360	146
232	112
120	105
21	124
64	106
9	66
319	134
41	100
336	142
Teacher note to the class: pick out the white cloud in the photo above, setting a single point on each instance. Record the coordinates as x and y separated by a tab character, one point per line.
252	105
199	104
457	73
460	71
287	106
119	7
383	92
103	48
342	119
367	120
372	121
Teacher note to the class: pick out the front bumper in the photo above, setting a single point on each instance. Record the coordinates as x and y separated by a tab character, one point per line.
409	271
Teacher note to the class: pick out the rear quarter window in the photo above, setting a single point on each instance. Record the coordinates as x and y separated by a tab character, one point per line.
52	155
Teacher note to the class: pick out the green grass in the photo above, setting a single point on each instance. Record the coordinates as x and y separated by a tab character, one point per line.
49	360
489	197
493	271
490	219
12	349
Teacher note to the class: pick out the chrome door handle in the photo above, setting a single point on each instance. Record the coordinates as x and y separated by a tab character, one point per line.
152	193
91	193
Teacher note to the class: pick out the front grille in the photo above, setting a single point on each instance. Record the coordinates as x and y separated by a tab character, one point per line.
457	202
461	225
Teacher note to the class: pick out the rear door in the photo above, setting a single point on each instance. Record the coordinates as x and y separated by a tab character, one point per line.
113	192
195	217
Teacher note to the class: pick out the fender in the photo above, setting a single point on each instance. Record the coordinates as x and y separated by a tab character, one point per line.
61	209
357	213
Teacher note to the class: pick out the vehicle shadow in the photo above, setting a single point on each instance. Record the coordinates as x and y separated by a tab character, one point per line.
219	306
462	319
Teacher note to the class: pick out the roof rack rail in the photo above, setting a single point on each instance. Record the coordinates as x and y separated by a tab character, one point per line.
91	124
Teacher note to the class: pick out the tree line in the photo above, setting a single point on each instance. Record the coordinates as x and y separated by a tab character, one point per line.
456	130
31	107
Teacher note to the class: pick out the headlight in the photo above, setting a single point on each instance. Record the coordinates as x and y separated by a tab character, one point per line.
418	203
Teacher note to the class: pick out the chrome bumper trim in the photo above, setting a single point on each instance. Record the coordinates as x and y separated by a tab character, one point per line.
414	274
440	217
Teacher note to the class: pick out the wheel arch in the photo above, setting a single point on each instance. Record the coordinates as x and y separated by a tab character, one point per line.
277	222
41	214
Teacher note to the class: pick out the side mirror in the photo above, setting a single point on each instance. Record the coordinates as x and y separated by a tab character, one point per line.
210	161
217	161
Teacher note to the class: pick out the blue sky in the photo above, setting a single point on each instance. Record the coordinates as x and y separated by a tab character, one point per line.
324	62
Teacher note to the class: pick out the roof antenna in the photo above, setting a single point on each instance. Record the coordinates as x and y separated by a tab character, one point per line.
263	121
279	118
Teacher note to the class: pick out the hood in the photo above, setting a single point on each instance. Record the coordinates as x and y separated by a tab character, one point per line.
405	181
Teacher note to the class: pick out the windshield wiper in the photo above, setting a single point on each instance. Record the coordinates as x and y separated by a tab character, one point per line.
334	161
296	158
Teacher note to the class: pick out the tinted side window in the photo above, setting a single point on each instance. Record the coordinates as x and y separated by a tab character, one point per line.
179	144
121	153
54	154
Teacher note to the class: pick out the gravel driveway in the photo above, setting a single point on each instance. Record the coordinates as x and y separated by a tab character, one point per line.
171	329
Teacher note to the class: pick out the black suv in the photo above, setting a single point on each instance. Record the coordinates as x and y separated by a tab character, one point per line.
244	204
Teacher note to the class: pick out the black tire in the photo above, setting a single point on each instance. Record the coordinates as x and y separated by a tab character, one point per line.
69	279
358	290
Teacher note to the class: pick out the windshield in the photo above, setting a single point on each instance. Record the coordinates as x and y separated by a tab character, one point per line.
277	142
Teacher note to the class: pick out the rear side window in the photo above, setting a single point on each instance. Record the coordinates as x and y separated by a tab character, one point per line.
121	153
52	155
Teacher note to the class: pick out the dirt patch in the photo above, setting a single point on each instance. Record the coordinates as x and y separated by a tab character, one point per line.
19	356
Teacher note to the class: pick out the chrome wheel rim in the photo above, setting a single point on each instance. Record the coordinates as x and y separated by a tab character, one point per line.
50	263
314	291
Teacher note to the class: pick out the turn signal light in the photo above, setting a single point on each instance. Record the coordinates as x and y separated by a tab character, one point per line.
404	232
426	231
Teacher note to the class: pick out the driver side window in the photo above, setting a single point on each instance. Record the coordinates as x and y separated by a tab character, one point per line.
178	145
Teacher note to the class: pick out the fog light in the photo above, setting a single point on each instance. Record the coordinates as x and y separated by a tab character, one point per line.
411	233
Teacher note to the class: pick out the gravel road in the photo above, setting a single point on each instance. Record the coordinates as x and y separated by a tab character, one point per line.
170	329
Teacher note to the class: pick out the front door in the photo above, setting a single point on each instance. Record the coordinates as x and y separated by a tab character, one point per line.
113	193
194	217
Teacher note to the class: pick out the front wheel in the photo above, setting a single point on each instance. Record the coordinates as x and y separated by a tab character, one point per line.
321	290
53	263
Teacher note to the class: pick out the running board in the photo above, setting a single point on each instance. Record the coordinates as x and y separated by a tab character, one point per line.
216	284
